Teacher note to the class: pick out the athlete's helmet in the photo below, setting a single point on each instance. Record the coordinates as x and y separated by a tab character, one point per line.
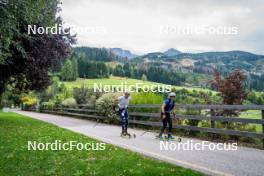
126	92
172	94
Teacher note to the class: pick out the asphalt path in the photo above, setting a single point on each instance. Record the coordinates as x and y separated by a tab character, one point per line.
232	161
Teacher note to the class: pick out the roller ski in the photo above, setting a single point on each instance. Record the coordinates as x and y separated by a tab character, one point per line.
171	138
168	138
161	138
128	135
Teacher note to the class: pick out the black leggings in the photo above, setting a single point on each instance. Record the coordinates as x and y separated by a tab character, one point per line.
166	120
124	118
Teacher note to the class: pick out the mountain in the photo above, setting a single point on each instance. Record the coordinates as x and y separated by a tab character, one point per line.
172	52
205	62
196	68
123	53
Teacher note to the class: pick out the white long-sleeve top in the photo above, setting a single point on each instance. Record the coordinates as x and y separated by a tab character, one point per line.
123	102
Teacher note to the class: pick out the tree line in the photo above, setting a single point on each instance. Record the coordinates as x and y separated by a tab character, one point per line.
81	65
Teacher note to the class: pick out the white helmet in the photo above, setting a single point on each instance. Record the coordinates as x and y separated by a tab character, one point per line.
126	92
172	94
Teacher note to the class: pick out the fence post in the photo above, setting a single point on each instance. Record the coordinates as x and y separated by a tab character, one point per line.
262	114
134	125
212	113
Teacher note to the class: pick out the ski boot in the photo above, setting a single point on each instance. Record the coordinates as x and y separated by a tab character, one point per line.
123	133
170	137
160	137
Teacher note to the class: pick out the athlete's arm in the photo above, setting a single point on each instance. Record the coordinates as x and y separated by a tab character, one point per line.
174	114
163	110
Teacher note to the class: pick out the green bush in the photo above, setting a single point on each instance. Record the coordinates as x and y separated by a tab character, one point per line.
47	105
69	102
105	106
5	103
58	99
81	94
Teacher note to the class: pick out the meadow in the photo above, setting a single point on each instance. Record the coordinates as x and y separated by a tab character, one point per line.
252	114
114	80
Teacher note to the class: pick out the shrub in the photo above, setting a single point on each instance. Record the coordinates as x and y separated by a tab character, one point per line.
69	102
58	99
47	105
92	100
81	95
65	91
5	103
29	101
105	105
84	95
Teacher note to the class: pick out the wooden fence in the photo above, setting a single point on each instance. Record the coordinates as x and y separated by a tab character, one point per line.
154	118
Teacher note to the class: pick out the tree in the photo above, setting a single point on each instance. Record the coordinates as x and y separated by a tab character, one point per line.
67	71
27	59
87	68
118	71
231	88
126	69
144	78
96	54
75	74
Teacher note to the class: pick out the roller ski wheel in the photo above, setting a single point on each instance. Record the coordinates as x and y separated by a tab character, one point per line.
124	134
131	135
128	135
161	138
178	139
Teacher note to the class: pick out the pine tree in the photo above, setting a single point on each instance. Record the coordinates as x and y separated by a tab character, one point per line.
75	74
144	78
67	71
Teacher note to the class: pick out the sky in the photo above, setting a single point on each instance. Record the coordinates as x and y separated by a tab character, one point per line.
144	26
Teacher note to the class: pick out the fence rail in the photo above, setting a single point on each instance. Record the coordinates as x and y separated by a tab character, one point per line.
153	118
198	106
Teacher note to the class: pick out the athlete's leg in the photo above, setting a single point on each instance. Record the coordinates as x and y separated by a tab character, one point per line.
170	125
164	125
126	120
123	120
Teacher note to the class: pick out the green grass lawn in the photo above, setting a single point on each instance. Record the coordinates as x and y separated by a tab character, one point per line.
118	81
252	114
16	159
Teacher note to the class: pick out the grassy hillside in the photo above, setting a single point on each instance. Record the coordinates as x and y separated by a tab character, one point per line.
252	114
113	80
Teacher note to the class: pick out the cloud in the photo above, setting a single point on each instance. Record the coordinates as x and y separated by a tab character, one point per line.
136	24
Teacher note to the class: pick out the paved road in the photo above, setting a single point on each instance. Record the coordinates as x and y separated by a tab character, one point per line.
243	161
